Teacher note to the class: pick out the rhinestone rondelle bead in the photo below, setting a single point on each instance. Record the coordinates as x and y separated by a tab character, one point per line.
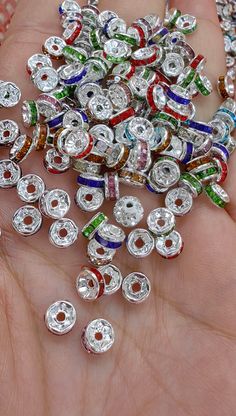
136	287
63	233
27	220
140	243
128	211
60	317
30	188
98	336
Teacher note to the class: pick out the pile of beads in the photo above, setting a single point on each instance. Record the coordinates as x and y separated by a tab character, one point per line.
118	109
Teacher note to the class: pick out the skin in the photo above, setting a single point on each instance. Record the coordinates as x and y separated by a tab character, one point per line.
174	354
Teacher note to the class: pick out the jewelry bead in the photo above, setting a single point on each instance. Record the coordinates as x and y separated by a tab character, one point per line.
203	85
128	211
179	201
56	163
55	203
74	142
191	184
110	236
10	173
217	195
63	233
37	61
100	107
85	92
30	113
53	47
98	336
9	131
89	199
90	284
27	220
170	246
186	23
116	51
136	287
72	32
45	78
21	148
98	254
111	183
140	243
60	317
165	172
226	87
93	225
112	278
30	188
91	181
161	221
140	128
10	94
173	65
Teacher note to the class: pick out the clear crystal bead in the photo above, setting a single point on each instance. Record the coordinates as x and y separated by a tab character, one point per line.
30	188
10	94
60	317
179	201
54	203
136	287
89	199
63	233
161	221
10	173
112	277
27	220
128	211
140	243
98	336
9	131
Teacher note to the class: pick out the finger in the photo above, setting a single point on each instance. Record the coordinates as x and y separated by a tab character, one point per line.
208	41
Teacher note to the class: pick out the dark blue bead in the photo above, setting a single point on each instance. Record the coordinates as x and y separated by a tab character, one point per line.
106	243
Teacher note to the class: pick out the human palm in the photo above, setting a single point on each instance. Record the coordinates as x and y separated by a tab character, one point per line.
175	354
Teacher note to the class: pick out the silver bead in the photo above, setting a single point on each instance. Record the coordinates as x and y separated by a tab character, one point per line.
165	172
100	107
169	246
128	211
89	199
63	233
161	221
140	129
54	203
10	94
27	220
10	173
112	278
73	142
140	243
99	255
54	46
9	131
179	201
173	65
60	317
37	61
110	235
45	78
98	336
90	284
136	287
30	188
85	92
56	163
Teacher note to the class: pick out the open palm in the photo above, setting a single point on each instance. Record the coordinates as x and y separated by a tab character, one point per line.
175	355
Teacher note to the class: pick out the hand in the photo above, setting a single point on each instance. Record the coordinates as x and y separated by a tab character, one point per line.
174	355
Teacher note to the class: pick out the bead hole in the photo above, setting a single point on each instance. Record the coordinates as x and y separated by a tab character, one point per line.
61	316
54	203
89	197
179	202
98	336
28	220
161	223
6	133
129	205
136	287
91	283
100	251
107	278
63	233
31	189
57	160
139	242
168	243
7	174
44	77
55	47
